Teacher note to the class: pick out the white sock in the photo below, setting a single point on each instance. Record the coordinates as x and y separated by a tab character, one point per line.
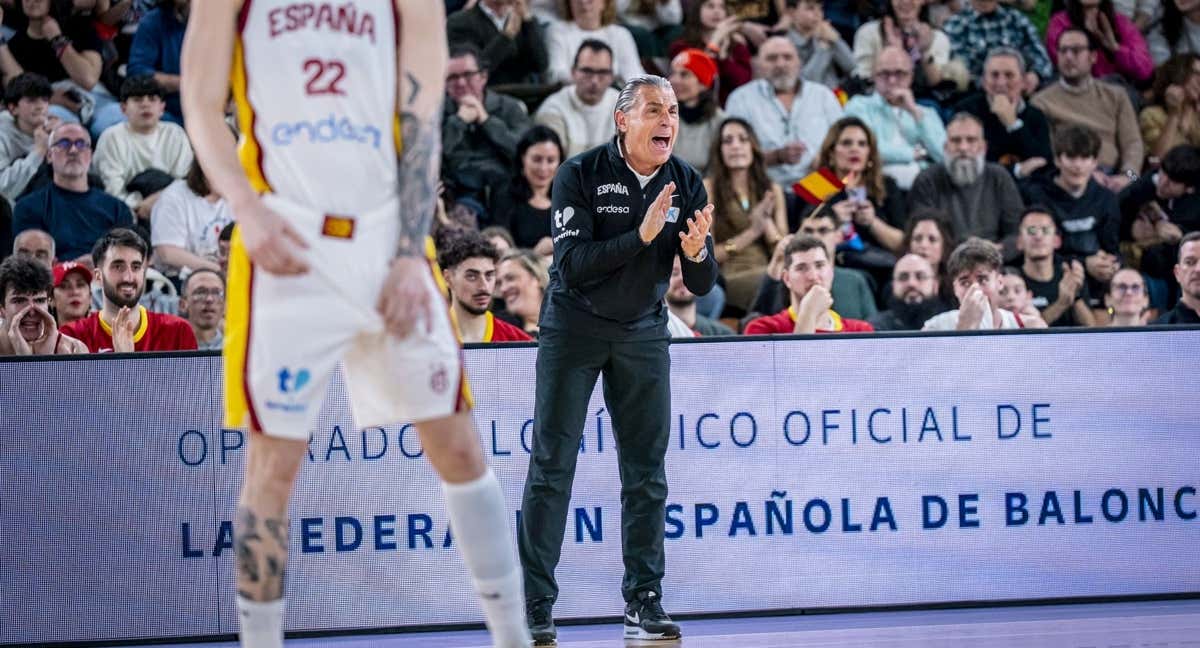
479	520
261	623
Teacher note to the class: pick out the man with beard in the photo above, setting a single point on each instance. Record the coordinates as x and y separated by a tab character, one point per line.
468	263
914	297
122	326
26	326
790	116
682	304
1187	273
73	212
980	196
910	137
203	302
1017	133
1059	287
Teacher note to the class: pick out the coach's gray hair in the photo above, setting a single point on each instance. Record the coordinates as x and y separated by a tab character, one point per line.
1006	51
628	99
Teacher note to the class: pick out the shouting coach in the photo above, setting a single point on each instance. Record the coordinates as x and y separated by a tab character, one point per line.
621	214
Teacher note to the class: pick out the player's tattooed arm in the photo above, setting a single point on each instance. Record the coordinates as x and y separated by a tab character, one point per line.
420	162
421	62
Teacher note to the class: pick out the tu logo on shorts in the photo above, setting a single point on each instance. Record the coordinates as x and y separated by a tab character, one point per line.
290	383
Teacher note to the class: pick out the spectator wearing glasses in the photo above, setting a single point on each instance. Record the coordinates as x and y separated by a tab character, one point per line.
1187	273
1127	299
1059	287
479	128
73	212
202	302
581	113
913	298
26	325
910	137
509	36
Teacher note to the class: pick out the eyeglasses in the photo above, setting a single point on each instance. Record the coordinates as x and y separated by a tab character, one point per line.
1034	230
65	145
919	276
462	76
1132	289
594	72
201	294
893	74
1072	49
820	231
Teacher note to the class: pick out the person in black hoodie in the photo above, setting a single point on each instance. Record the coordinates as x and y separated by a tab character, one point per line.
621	214
1087	212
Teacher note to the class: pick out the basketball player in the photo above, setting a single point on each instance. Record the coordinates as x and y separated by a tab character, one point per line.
329	263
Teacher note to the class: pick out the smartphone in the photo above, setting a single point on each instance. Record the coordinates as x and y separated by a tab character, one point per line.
857	194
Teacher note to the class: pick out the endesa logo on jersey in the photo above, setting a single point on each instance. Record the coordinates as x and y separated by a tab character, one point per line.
329	130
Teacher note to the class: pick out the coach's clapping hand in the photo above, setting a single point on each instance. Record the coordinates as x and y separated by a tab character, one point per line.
697	233
656	216
404	302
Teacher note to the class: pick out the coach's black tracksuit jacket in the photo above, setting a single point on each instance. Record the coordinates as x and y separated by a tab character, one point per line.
603	313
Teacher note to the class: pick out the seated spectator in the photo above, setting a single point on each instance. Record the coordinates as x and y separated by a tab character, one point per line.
1127	299
808	275
869	209
1174	118
789	115
479	128
1014	295
500	238
1187	274
983	25
73	212
27	327
1160	208
974	268
904	24
692	76
24	132
1087	212
929	233
507	34
1059	287
36	245
753	212
142	142
72	292
708	26
654	16
156	49
827	58
1123	50
910	137
202	302
913	299
980	196
122	325
524	209
681	302
1178	32
224	239
521	282
853	290
590	20
1141	12
581	113
62	48
186	224
1079	99
1017	133
468	264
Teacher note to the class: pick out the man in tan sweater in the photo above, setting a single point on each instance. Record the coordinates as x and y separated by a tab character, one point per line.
1078	98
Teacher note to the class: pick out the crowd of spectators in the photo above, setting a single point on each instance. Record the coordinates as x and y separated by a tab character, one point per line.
978	164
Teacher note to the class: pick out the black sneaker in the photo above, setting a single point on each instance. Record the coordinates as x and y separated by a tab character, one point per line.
645	619
539	615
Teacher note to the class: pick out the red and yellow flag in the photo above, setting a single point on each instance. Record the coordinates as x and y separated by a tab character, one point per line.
815	187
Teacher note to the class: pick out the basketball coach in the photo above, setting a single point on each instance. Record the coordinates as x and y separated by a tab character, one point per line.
621	214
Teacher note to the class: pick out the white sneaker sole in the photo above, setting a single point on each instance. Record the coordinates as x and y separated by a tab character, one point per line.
636	632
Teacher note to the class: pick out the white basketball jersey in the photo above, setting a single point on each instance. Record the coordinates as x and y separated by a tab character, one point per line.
315	86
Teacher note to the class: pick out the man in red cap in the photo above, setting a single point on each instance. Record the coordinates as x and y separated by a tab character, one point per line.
72	292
